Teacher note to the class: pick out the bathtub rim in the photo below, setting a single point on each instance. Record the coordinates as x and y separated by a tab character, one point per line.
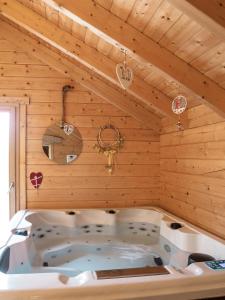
155	208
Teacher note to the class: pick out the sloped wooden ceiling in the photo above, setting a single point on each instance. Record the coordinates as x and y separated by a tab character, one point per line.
78	74
208	13
188	58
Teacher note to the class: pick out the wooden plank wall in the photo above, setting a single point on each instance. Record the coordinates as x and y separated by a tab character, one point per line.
84	183
192	165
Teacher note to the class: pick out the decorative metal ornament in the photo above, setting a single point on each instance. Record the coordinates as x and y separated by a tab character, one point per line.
179	105
109	149
124	73
68	128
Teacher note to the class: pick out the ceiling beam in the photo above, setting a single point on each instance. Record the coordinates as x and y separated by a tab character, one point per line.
76	49
71	70
111	28
210	14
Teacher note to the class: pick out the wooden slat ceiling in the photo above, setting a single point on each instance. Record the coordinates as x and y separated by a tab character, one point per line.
163	23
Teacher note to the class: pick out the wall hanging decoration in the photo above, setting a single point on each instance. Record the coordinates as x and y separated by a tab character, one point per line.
179	105
68	128
62	142
105	145
36	179
124	73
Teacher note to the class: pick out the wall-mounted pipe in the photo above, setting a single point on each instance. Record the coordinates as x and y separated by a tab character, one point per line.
65	90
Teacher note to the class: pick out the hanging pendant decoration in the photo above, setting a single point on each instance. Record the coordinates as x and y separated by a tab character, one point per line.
109	149
68	128
36	179
179	105
124	73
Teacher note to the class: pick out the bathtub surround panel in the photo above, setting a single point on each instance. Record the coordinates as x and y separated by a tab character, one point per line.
84	183
192	166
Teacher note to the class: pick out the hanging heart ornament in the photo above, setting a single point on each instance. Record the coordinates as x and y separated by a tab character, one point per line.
179	104
124	74
36	179
68	128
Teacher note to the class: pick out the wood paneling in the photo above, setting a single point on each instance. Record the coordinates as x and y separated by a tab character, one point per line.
192	169
117	32
208	13
52	34
192	162
79	74
194	43
85	183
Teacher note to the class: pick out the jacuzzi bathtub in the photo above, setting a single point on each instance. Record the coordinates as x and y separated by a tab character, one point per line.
109	254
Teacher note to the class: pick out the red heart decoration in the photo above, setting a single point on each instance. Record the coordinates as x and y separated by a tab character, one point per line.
36	179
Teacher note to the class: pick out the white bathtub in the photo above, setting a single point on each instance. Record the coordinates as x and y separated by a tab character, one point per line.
52	254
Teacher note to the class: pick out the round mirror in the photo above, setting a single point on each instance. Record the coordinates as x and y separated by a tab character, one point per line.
62	146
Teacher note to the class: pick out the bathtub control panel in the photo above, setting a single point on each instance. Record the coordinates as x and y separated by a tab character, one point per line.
216	264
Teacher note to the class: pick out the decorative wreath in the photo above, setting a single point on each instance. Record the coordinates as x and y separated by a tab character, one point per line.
102	146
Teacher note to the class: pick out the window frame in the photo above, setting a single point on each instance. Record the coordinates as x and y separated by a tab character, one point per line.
19	105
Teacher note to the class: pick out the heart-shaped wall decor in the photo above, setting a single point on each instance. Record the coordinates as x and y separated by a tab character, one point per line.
124	74
68	128
36	179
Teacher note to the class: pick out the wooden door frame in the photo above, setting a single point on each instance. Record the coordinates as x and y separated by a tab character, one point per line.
19	104
11	110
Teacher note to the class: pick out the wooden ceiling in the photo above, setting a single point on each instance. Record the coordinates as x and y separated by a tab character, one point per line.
172	48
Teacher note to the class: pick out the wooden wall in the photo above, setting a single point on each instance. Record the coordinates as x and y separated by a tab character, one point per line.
84	183
192	164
